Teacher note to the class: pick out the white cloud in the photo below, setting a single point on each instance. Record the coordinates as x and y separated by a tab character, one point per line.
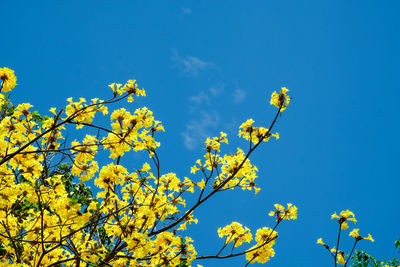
190	65
200	98
217	89
189	141
197	130
186	11
239	95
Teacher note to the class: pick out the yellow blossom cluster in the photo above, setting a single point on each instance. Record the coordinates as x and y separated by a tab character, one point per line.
82	113
84	164
214	143
231	171
235	233
345	215
130	87
255	134
290	213
244	173
8	79
265	237
132	131
51	219
280	100
262	251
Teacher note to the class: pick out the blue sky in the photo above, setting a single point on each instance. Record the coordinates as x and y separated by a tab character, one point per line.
207	66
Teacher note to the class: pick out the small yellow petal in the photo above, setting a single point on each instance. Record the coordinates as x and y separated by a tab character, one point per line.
369	237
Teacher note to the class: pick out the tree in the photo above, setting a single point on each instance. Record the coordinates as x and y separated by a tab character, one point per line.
50	217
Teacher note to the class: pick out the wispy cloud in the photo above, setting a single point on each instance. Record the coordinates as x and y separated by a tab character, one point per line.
186	11
197	130
239	95
203	118
204	121
201	98
190	65
217	89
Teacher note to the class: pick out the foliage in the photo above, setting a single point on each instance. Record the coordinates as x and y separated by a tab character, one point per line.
363	259
138	217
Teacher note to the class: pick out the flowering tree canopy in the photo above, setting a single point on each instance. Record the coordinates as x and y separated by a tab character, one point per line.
138	217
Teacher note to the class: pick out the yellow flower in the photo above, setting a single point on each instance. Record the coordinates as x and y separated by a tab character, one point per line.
369	237
292	211
334	215
9	80
194	169
246	129
214	143
53	110
280	100
355	233
357	236
340	259
201	184
22	110
188	219
319	241
345	215
345	226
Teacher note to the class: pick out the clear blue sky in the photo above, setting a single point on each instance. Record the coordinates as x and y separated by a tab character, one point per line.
208	66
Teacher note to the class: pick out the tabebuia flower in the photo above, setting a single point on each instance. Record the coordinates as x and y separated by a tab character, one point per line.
9	80
280	100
